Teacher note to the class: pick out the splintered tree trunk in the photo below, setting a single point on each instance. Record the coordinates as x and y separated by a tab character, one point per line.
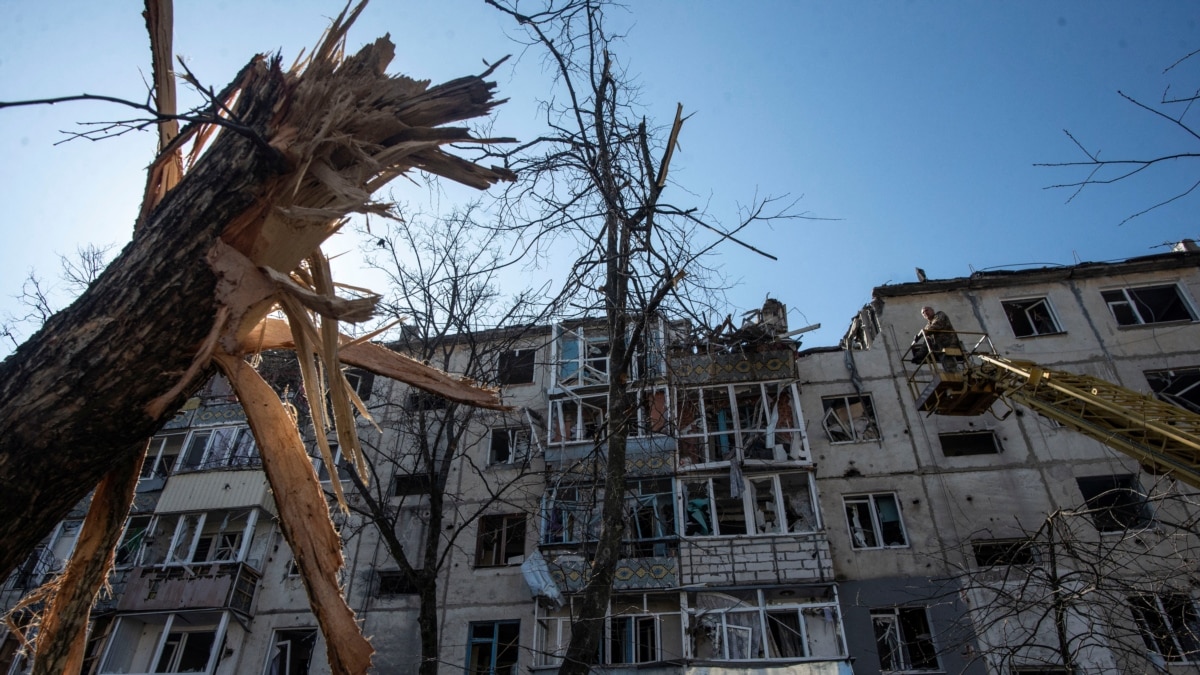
73	398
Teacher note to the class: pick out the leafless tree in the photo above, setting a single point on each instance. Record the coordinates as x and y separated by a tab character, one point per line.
1174	111
1061	597
36	299
597	179
442	281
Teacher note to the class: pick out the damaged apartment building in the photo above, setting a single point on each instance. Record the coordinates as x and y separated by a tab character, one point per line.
789	511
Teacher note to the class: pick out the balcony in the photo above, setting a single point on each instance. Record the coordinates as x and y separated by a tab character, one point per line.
644	455
571	573
755	560
226	585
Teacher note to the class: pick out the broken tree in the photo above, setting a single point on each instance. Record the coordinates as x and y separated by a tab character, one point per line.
292	153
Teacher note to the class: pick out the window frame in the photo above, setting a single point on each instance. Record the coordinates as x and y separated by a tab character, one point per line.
512	365
970	449
787	516
497	649
1162	381
289	636
1013	552
904	642
870	500
1130	302
518	445
755	630
1025	306
503	527
756	421
848	400
1109	517
1163	605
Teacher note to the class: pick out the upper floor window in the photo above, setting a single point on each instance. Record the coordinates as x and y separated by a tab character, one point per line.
571	514
765	625
904	639
493	648
1180	386
1116	503
47	558
734	422
136	529
193	538
508	445
516	366
756	504
187	645
1031	317
579	419
875	521
582	357
339	461
361	382
501	540
1148	304
1169	624
961	443
200	449
995	552
293	651
849	419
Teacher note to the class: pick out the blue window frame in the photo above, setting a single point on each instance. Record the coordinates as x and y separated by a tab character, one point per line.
493	648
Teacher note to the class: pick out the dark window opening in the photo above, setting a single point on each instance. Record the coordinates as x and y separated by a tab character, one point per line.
420	401
1116	503
993	552
395	582
1179	386
501	541
293	652
405	485
1029	318
1153	304
903	639
516	366
494	648
508	446
1169	624
964	443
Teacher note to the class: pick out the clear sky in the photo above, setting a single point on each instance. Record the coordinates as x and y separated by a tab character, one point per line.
915	125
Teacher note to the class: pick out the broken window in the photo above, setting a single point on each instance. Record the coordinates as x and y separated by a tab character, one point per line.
361	382
650	511
501	540
131	541
996	552
875	521
1116	503
194	538
849	419
168	643
1031	317
760	504
508	445
419	401
1148	304
200	450
292	653
161	455
765	625
1169	624
756	421
904	640
394	582
632	639
493	648
1179	386
963	443
516	366
410	484
582	357
48	558
578	419
571	515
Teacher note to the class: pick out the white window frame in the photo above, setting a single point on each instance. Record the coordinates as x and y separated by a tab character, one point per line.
783	524
868	434
190	529
739	437
164	635
904	642
758	611
1130	303
858	541
519	445
1025	306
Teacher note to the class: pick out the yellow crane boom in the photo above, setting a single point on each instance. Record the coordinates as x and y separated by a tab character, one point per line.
1163	437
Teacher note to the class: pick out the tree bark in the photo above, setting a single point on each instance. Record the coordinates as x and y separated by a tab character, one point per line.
73	398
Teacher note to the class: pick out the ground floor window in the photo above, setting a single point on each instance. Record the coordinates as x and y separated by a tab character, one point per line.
165	643
777	624
292	652
493	648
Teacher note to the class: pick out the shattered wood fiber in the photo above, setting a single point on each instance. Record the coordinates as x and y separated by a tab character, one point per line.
236	238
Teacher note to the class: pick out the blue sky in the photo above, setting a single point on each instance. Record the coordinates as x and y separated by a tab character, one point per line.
915	125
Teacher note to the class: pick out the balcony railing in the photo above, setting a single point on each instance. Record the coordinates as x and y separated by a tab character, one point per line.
227	585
